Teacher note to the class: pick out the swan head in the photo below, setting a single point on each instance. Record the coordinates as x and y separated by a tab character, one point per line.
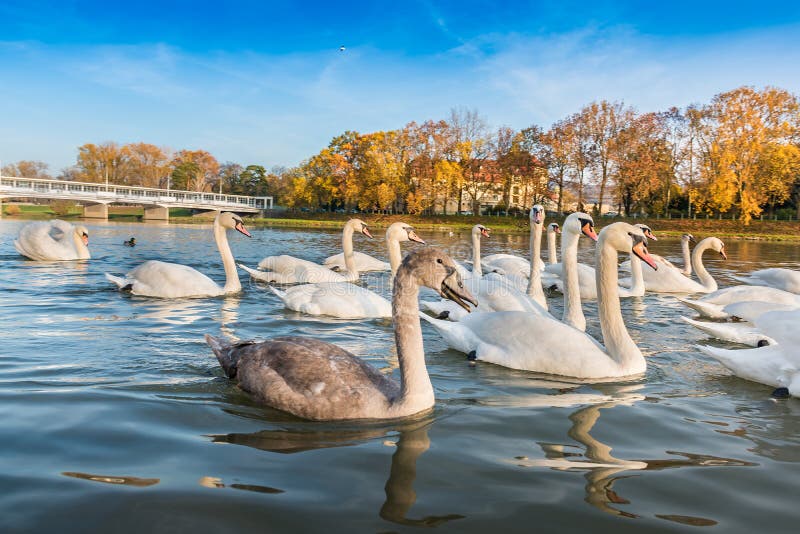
231	221
401	231
627	238
537	214
82	233
647	231
434	269
480	230
580	223
553	228
717	245
688	237
359	226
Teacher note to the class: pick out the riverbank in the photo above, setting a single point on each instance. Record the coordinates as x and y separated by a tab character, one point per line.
725	228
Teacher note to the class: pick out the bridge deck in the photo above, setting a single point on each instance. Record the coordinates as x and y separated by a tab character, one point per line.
93	193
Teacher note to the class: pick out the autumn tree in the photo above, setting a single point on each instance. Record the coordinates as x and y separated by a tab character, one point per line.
27	169
194	170
147	165
745	127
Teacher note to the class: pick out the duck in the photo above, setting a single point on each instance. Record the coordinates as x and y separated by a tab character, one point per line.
776	365
321	381
345	300
286	269
173	280
130	242
54	240
523	341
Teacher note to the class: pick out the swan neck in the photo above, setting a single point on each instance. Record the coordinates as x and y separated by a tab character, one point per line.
416	391
477	270
551	248
637	276
535	290
619	345
705	278
80	247
347	249
232	283
573	312
395	257
687	258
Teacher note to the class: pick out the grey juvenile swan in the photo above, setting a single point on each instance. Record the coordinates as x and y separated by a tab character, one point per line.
320	381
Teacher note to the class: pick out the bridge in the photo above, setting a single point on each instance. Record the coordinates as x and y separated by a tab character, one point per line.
156	202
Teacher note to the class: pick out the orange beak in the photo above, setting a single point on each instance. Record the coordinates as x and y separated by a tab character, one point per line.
588	231
240	228
85	239
485	232
365	231
641	252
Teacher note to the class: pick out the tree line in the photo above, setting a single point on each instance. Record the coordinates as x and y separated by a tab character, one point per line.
738	155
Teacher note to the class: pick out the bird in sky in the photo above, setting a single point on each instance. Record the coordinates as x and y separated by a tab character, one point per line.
342	48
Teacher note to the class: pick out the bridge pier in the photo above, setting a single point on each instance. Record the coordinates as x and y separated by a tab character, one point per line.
95	211
156	213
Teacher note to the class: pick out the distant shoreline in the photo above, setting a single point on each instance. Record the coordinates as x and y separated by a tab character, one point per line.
725	228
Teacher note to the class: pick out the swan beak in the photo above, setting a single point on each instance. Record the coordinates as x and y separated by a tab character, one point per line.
722	253
557	229
453	289
692	239
641	252
365	231
649	235
537	217
85	239
588	231
485	232
240	228
412	236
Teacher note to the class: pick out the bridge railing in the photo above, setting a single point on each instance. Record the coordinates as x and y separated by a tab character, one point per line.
124	193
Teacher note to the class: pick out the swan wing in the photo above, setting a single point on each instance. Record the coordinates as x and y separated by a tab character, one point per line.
170	280
290	270
765	365
777	277
363	262
307	378
752	310
729	295
783	327
337	299
47	241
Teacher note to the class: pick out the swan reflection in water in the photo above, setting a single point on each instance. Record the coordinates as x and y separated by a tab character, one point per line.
603	470
412	442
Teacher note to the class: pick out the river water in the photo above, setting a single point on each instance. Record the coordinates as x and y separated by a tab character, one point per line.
116	416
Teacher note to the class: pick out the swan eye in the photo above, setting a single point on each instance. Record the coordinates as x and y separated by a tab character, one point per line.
460	283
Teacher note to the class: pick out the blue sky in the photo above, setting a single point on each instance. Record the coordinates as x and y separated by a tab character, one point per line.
265	82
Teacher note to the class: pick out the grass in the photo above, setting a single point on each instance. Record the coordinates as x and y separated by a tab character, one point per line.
726	228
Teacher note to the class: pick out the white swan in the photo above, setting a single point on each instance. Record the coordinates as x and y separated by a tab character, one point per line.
494	293
776	365
320	381
743	332
478	231
545	345
666	279
586	285
713	304
344	299
779	278
673	280
173	280
509	264
364	262
290	270
54	240
552	230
